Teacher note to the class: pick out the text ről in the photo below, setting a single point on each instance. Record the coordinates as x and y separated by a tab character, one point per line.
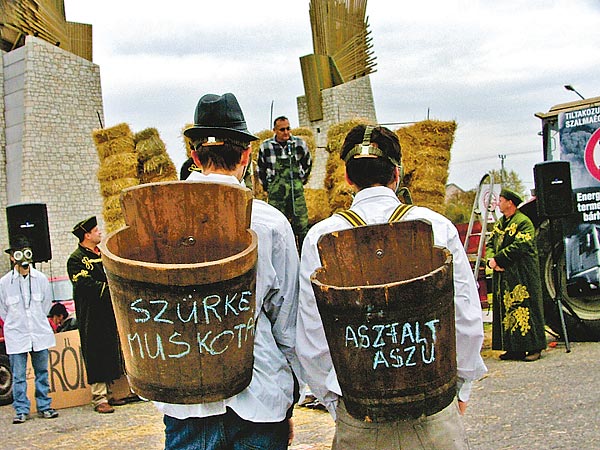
397	344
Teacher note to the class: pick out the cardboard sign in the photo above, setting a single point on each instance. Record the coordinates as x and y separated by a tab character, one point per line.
66	374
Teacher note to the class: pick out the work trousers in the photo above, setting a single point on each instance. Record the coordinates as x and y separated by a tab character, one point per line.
441	431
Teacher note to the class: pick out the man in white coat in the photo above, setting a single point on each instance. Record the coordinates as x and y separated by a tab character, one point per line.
373	170
25	299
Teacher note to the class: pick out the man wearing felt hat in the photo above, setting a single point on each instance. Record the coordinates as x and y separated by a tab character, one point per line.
518	325
95	316
259	416
373	164
25	299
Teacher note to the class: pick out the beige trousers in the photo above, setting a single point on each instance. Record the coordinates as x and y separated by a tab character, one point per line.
99	393
443	430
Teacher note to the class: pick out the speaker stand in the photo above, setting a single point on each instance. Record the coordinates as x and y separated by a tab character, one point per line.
556	238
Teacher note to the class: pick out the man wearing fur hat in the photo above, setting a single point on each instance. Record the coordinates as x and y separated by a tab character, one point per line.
518	326
259	416
373	169
95	316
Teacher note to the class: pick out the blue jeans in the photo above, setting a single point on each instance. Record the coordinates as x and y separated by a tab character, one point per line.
225	432
18	367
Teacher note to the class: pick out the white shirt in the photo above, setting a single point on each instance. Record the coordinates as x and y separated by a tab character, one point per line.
24	305
375	205
270	392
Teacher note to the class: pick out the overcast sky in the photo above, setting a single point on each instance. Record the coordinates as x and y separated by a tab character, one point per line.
488	65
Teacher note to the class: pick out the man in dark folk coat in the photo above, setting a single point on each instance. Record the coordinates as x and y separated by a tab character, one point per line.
95	315
518	326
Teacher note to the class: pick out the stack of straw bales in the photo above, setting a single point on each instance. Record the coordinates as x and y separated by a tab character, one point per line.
426	158
154	163
127	160
118	170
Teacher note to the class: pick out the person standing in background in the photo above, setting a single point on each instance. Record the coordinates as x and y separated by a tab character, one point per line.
25	300
95	316
284	164
518	326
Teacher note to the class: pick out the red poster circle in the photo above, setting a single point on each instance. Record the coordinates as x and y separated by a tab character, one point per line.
590	149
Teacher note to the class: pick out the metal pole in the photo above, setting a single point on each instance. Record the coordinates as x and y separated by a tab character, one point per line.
502	174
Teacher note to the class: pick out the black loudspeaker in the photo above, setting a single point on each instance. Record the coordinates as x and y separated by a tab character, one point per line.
30	220
553	189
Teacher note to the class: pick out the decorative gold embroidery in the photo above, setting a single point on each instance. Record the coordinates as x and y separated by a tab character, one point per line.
89	262
511	229
524	236
517	317
83	273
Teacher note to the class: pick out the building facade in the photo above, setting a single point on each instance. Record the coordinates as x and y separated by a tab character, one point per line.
51	103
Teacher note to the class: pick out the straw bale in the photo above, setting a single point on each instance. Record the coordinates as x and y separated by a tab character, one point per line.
157	164
108	134
147	133
158	177
335	170
150	147
114	225
307	136
112	215
262	136
187	144
121	144
340	197
337	133
113	187
253	183
317	203
114	167
112	202
430	199
166	173
426	149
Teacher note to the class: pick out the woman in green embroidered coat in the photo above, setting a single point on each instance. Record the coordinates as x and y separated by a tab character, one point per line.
518	323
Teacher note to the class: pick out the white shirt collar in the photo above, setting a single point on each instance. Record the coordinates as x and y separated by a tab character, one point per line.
375	191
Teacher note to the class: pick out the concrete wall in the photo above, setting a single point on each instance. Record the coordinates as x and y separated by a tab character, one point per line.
347	101
51	100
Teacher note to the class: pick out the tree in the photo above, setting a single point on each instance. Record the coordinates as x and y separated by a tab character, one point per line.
511	181
459	206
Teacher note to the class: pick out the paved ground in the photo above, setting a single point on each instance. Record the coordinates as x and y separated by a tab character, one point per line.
548	404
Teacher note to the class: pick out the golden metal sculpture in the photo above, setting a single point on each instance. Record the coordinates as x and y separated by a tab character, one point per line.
44	19
342	48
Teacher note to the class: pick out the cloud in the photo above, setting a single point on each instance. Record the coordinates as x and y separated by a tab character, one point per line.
488	65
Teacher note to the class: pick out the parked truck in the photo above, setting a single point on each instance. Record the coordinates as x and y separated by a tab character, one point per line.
571	132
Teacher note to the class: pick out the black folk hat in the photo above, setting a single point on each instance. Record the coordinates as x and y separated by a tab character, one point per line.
19	242
219	116
512	196
85	226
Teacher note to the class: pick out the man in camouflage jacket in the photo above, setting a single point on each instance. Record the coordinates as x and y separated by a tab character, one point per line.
284	164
